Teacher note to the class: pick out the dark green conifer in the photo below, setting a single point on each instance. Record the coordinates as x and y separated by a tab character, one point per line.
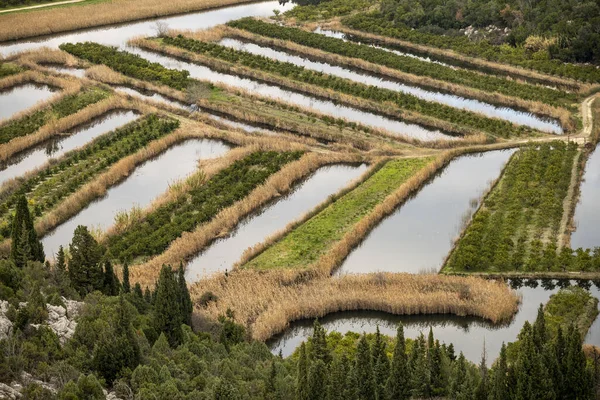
137	290
398	386
126	285
364	371
85	268
185	301
499	378
340	370
302	375
319	344
381	364
111	282
317	380
167	311
61	263
24	240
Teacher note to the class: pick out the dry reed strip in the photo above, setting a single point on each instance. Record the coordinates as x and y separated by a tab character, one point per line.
57	127
266	302
494	98
36	58
280	183
388	109
525	74
51	21
67	86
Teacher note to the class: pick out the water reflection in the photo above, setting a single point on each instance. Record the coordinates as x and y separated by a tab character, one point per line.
222	254
142	186
20	98
587	215
419	234
39	155
360	76
466	333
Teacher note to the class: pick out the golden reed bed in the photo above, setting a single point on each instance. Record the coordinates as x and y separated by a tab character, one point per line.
267	302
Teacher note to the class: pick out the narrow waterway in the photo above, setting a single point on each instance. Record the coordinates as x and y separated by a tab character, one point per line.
508	114
419	234
147	95
324	106
587	212
225	252
468	334
77	72
22	97
142	186
37	156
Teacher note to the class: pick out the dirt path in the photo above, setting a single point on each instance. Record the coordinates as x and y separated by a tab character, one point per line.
41	6
564	236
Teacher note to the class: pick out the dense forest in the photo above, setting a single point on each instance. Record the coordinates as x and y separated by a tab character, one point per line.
567	30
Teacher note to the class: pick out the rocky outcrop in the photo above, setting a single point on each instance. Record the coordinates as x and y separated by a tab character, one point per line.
5	324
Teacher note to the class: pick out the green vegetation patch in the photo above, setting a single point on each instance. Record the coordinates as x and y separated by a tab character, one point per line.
53	184
7	69
572	305
153	235
66	106
408	64
316	10
517	227
128	64
377	24
305	244
404	101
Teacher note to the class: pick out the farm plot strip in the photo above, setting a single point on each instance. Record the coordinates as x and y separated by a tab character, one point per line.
47	188
305	244
299	75
517	226
160	227
411	65
64	107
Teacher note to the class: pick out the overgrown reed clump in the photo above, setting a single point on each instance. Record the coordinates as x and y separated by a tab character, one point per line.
267	302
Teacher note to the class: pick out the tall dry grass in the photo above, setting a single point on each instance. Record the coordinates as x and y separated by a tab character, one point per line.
51	21
267	302
536	107
525	74
280	183
36	58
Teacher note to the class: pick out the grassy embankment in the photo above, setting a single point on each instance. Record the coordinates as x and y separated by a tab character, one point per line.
86	15
234	103
61	189
493	89
266	301
518	224
408	107
304	246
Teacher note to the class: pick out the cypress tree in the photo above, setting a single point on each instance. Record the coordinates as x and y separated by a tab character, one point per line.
436	375
148	296
167	311
381	364
24	236
61	263
270	390
398	383
577	381
352	389
459	385
317	380
126	285
420	379
111	282
185	301
85	268
340	370
482	389
499	385
539	329
302	377
118	351
319	344
560	369
137	290
364	371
